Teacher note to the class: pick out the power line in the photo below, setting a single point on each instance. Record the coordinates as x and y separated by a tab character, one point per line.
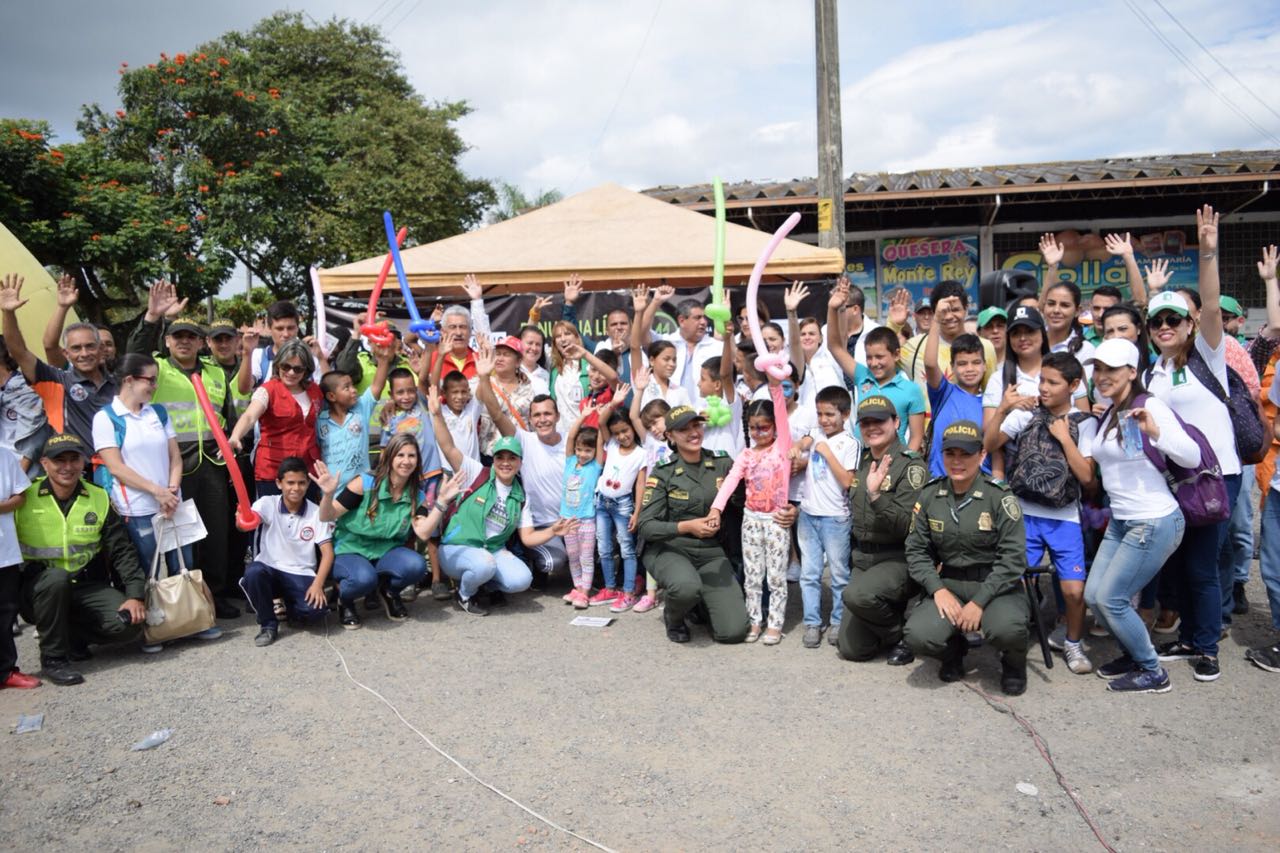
1186	62
403	18
386	16
376	9
1219	62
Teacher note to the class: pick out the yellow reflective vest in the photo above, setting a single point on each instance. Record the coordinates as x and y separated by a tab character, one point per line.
175	391
66	542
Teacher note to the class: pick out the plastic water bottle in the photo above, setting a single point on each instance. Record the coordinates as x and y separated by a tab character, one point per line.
1130	436
152	740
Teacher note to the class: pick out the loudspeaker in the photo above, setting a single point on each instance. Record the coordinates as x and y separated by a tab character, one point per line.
1001	287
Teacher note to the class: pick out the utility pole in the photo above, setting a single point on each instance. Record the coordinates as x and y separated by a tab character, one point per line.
830	165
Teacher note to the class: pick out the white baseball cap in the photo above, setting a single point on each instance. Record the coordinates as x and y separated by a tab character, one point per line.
1116	352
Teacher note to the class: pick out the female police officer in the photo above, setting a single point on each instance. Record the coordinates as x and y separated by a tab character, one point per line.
681	546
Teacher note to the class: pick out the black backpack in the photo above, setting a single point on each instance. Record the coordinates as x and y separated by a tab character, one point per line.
1252	440
1039	470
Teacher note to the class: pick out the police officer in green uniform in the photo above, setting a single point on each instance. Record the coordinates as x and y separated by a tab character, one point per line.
72	540
883	492
682	547
971	526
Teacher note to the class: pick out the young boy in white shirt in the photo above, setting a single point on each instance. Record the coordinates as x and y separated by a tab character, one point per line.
824	525
285	564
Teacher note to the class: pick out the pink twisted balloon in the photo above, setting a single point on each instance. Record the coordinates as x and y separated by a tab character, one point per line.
776	364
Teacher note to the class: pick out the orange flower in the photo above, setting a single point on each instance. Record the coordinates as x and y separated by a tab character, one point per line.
181	59
181	81
223	61
168	222
151	65
120	113
273	131
66	214
204	188
164	56
124	65
96	237
239	93
189	114
135	221
230	174
214	74
251	97
260	134
199	269
55	154
277	173
199	217
183	227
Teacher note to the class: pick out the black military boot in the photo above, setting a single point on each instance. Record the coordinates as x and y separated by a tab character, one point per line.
952	668
60	672
900	655
677	630
1013	677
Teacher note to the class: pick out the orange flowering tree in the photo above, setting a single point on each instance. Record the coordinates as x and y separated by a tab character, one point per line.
281	146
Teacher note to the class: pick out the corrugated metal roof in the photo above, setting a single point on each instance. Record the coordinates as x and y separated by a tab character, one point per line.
1175	166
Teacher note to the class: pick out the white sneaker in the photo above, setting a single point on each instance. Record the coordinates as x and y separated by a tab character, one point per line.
1077	661
1058	637
152	648
793	572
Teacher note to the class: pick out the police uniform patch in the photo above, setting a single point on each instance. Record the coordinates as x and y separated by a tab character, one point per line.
915	476
984	521
935	524
719	483
1011	507
90	518
887	485
648	496
678	495
78	393
307	533
650	482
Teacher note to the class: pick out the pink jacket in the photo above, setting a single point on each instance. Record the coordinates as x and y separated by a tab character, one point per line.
768	471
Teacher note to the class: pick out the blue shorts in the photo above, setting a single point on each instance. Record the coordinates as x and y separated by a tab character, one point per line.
1064	540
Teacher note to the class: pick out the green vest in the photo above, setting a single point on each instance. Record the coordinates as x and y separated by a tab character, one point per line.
467	525
175	391
372	538
239	401
66	542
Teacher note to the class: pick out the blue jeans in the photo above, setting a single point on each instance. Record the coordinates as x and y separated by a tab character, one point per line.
830	536
144	540
357	577
261	583
1195	573
1237	548
1269	564
474	568
612	516
1130	555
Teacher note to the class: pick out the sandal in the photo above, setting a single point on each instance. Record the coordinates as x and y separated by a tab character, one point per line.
772	637
753	634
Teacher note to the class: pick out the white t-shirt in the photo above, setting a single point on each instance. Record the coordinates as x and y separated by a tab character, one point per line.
464	427
287	541
495	520
802	422
13	481
1082	355
822	372
1136	488
261	396
542	470
1196	404
675	395
568	394
620	470
823	495
729	437
1013	426
145	450
1028	386
656	452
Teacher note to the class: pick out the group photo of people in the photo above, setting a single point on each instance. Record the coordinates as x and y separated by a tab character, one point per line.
908	479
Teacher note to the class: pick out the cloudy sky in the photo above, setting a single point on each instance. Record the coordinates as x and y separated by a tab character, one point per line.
569	94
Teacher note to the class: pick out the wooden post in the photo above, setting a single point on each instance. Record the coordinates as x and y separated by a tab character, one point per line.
830	160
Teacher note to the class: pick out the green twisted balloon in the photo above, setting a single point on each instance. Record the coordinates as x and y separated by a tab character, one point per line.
718	310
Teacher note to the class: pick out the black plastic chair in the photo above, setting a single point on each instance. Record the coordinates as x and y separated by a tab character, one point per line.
1035	598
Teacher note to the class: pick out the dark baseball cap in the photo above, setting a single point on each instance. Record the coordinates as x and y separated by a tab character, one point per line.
877	407
223	327
681	416
1025	315
185	326
963	435
64	442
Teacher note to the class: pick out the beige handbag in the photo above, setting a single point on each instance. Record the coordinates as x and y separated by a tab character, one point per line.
177	606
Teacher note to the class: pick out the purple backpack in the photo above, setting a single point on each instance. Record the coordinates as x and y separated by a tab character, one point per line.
1201	492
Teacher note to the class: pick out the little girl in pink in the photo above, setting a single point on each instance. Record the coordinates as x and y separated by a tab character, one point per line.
766	467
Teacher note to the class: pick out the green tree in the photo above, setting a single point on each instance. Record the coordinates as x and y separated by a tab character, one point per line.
283	145
512	202
100	219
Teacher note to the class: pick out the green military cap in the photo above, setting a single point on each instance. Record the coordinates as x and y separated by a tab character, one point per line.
64	442
510	444
186	326
963	435
222	327
876	407
681	416
1229	305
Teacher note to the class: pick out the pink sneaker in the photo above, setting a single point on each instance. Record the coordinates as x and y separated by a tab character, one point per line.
645	604
604	596
569	596
580	600
623	603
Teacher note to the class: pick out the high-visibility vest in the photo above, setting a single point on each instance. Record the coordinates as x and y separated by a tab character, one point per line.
175	392
66	542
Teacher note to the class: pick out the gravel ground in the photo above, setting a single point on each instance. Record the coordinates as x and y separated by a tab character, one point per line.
627	739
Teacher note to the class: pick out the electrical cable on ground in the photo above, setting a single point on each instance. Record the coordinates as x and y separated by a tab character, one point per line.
1005	708
450	758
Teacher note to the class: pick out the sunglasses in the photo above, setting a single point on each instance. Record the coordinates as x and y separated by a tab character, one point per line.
150	380
291	368
761	428
1171	320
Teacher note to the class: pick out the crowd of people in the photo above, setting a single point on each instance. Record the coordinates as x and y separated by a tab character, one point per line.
922	467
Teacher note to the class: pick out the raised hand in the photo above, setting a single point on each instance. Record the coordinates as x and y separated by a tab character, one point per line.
417	361
160	298
485	361
900	307
640	379
1013	399
437	314
451	487
1267	266
540	303
572	288
175	310
1146	423
1158	275
839	294
1051	250
68	293
664	292
573	351
640	297
619	394
384	352
1207	228
795	294
877	473
11	293
471	286
325	479
1119	246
